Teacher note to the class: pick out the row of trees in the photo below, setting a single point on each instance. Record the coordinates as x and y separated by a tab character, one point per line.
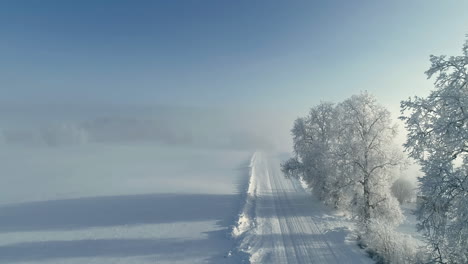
345	152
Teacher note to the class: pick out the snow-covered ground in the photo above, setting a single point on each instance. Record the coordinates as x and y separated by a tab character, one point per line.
408	227
118	203
282	223
147	203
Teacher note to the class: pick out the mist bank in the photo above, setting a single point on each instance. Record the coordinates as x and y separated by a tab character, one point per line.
58	125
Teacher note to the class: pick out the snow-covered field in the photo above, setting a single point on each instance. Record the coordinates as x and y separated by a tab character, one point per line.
118	203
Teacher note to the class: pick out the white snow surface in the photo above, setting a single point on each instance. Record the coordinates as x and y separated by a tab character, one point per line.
283	223
119	203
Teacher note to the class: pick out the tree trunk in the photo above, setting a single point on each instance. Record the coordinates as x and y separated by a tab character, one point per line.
367	205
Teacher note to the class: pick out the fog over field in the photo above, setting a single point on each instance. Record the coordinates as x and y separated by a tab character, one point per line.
67	150
55	125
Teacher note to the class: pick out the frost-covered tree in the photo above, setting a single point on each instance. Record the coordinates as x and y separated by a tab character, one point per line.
367	140
438	139
345	153
313	145
404	190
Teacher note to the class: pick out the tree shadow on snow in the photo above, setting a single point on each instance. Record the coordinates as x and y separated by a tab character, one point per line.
153	249
117	210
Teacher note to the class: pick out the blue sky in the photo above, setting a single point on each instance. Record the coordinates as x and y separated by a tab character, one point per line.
268	54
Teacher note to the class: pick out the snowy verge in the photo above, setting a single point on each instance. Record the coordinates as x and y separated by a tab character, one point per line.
245	221
386	245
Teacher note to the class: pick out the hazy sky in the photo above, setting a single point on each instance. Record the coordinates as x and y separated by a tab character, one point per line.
247	54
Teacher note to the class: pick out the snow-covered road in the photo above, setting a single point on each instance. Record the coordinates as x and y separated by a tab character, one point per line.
282	222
